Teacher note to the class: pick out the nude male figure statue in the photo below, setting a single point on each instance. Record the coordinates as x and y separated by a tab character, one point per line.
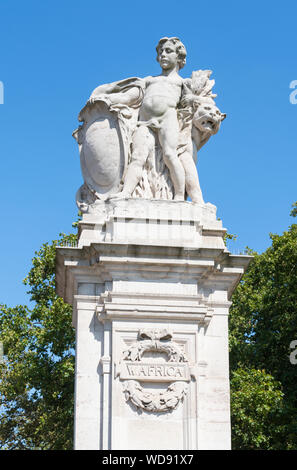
158	117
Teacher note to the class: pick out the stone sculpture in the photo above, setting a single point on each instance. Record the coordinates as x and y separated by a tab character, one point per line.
155	401
154	343
134	370
140	137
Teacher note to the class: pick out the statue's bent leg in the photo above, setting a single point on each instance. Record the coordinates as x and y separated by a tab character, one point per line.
141	145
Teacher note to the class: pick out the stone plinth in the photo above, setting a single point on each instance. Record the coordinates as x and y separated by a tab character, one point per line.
150	283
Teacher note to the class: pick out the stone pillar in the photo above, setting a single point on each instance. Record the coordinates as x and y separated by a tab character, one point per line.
150	283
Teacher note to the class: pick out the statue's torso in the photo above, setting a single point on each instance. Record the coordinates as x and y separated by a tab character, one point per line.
161	94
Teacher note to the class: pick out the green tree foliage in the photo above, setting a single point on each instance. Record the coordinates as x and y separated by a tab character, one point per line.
256	400
37	375
262	326
294	210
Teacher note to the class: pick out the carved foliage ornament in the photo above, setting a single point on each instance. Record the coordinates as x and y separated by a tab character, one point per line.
136	350
155	401
133	369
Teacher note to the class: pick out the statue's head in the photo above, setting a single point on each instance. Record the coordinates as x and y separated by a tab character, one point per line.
171	49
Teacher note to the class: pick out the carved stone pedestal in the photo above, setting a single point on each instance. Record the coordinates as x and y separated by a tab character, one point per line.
150	283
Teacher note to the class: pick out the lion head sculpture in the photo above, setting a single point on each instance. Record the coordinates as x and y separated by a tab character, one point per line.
207	117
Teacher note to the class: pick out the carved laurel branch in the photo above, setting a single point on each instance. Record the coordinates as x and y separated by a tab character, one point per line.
155	402
136	350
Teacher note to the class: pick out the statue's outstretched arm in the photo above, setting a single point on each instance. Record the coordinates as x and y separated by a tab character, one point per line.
129	97
128	91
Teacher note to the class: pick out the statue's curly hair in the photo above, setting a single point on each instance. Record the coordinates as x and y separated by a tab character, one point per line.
180	49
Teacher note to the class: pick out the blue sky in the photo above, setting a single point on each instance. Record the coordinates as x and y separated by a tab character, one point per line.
54	53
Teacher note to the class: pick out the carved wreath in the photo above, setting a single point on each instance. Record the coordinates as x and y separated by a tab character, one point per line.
155	401
162	401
